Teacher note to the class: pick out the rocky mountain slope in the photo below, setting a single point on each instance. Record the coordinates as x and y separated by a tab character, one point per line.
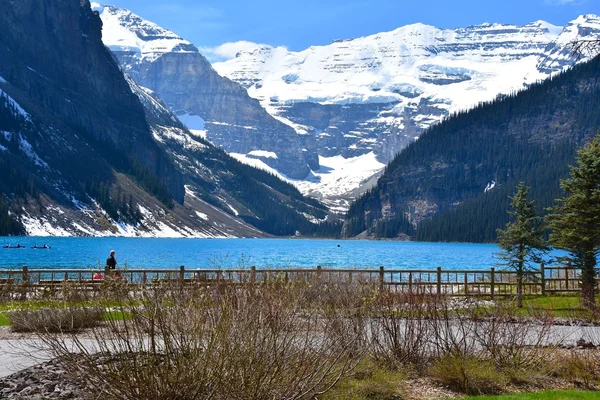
454	183
216	107
372	96
86	151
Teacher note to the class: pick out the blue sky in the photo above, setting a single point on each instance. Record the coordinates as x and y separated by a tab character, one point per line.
300	24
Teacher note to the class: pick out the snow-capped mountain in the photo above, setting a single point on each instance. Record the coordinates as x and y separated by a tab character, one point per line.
84	150
376	94
212	106
336	114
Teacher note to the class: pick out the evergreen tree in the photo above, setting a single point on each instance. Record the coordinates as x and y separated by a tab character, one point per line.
522	240
575	220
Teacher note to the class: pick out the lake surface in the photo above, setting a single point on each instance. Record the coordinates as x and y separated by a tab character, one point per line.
146	253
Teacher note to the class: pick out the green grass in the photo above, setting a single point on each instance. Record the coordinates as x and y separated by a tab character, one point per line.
548	395
557	306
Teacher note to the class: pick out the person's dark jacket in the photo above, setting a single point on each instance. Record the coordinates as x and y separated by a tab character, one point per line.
111	263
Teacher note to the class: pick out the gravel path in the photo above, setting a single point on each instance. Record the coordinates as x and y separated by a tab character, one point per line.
42	381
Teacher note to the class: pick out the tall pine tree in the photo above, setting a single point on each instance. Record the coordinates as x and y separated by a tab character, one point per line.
522	240
575	220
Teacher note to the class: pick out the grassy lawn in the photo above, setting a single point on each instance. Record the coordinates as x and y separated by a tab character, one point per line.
558	306
549	395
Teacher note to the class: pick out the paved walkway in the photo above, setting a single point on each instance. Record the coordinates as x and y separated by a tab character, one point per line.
18	354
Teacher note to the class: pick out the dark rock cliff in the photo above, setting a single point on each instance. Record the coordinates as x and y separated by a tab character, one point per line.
53	53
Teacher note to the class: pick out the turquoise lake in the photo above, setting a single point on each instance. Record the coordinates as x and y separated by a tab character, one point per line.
140	253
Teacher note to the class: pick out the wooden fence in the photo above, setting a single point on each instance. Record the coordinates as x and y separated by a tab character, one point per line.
488	283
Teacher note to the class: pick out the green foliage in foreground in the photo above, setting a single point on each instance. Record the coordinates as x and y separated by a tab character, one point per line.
549	395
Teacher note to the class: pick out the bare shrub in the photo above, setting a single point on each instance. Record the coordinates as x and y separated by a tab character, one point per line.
513	341
453	324
400	328
219	341
55	320
7	289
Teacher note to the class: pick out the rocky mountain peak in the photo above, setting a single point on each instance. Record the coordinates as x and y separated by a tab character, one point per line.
127	32
218	108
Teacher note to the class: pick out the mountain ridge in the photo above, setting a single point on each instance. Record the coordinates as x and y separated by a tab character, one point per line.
378	93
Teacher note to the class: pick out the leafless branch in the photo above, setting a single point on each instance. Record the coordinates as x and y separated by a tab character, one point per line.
584	48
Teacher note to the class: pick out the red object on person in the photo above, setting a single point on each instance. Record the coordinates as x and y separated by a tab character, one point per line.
97	276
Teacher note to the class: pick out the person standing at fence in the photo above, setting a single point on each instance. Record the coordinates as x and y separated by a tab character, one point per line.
111	262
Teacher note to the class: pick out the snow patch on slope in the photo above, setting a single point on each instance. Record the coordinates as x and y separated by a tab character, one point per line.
263	154
42	227
334	182
14	104
26	147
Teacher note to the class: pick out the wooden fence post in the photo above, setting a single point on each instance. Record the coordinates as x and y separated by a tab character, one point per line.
410	282
543	272
566	279
181	274
492	281
466	284
318	272
381	277
439	280
253	274
25	276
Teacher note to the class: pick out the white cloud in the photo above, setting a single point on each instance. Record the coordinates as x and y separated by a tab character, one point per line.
227	51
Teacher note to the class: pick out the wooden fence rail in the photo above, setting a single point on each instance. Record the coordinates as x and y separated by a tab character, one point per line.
492	282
